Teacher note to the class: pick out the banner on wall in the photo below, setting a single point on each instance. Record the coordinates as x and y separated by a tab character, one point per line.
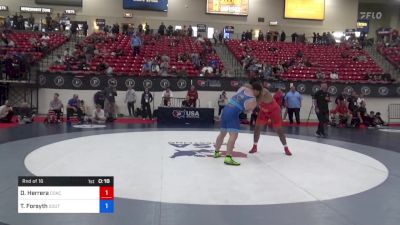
152	5
34	9
69	81
100	22
3	8
229	29
228	7
201	28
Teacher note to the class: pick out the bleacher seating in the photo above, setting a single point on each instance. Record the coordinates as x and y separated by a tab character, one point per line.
392	54
132	65
23	44
328	58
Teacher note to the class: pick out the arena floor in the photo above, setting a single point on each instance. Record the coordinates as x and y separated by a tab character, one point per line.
166	176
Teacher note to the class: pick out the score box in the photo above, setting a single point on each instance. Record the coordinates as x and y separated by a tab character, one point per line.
65	194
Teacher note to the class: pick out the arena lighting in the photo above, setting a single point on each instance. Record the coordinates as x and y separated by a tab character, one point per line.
358	34
256	33
178	27
338	36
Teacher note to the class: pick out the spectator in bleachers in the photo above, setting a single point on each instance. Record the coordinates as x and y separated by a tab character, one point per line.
98	115
161	29
260	36
283	36
320	75
45	37
6	112
48	22
243	37
170	30
85	29
293	100
59	60
183	72
57	106
147	66
147	28
166	96
275	35
190	31
31	21
11	44
269	36
294	37
193	96
147	98
334	75
136	44
73	107
140	28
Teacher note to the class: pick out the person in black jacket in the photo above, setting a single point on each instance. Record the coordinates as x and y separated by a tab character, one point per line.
147	98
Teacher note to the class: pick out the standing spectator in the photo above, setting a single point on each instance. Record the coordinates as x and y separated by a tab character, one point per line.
193	96
293	101
98	115
279	97
190	31
166	96
6	113
136	43
222	101
294	37
283	36
147	28
85	29
31	21
130	100
321	104
161	29
109	104
56	105
48	22
73	107
147	98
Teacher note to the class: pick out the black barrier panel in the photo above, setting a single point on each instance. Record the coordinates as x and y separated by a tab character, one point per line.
198	116
69	81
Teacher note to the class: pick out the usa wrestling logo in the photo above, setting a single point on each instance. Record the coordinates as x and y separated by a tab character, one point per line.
197	149
186	114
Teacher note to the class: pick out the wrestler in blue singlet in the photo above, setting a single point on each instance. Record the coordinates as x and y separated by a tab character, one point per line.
230	120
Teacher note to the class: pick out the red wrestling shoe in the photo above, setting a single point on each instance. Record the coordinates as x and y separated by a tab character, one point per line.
287	152
253	150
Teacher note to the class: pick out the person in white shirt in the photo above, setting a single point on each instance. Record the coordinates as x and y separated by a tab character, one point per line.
166	96
45	37
334	75
98	115
130	99
6	113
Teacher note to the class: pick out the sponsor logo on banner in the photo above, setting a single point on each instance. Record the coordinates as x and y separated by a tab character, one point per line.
197	149
182	84
59	81
316	88
201	83
148	84
130	83
236	83
383	91
371	15
348	90
94	82
42	80
164	83
332	90
301	88
112	82
76	82
365	90
398	90
186	114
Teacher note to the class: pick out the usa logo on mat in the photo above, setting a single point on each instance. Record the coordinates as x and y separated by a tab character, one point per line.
186	114
198	149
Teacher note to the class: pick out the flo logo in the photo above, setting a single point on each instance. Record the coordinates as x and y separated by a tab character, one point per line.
197	149
186	114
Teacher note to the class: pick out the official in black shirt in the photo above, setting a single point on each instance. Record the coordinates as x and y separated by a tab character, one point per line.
321	104
147	98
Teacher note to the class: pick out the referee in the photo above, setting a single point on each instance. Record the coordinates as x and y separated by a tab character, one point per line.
321	102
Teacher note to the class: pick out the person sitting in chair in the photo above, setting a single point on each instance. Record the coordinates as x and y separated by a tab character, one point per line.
73	107
6	113
98	115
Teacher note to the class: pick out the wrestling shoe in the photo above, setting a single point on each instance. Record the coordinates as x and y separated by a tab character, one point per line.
253	150
287	152
229	161
217	154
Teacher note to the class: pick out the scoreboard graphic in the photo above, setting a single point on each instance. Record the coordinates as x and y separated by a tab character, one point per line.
65	195
305	9
228	7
